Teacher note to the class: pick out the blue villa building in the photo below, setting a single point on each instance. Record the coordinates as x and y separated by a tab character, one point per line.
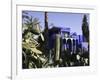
68	41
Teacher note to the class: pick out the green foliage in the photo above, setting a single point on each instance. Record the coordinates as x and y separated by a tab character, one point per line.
85	28
33	57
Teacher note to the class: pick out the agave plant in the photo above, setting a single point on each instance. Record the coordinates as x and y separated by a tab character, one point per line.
32	56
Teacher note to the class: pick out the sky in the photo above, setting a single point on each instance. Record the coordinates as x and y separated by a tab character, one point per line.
61	19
